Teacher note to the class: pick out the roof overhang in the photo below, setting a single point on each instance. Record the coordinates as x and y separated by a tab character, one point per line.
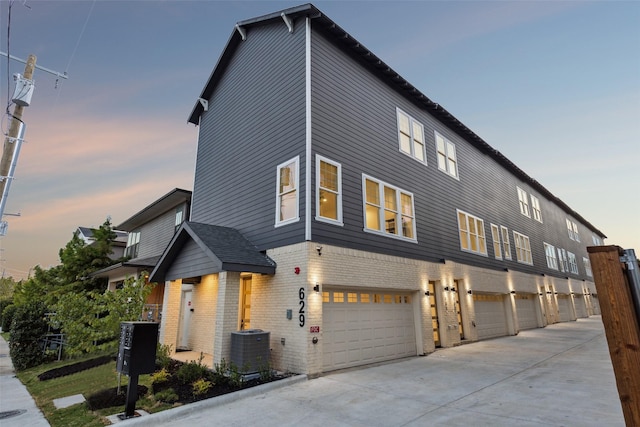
170	200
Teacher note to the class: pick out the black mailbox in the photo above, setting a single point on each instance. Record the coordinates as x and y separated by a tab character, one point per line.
137	351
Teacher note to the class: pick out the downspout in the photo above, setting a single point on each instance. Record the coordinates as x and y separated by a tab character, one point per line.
307	211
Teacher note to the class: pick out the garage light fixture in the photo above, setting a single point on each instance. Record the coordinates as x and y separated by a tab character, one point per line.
317	287
446	288
427	293
469	291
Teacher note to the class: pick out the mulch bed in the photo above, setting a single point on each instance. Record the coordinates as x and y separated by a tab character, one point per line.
74	368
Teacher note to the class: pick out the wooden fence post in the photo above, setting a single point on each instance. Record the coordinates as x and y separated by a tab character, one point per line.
620	324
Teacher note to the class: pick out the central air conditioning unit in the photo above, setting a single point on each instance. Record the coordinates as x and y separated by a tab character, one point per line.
250	350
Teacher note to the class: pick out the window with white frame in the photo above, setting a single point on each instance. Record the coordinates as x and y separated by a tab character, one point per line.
587	266
570	229
133	244
328	190
388	209
179	217
562	258
535	207
523	199
471	231
550	252
506	245
596	240
573	263
576	235
495	235
447	160
287	192
523	248
411	136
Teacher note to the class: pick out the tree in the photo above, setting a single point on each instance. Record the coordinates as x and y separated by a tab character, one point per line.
91	321
28	327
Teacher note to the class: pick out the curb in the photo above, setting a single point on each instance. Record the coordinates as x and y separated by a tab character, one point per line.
184	411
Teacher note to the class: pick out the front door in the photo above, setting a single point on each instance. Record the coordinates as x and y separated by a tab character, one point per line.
435	323
245	304
186	310
458	311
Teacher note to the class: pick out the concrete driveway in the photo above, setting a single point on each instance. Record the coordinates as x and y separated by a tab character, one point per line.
560	375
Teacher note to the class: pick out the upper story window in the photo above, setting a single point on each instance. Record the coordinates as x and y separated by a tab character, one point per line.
471	232
523	248
179	217
495	235
562	260
535	207
328	190
287	192
447	160
524	202
388	209
550	252
596	240
587	266
133	244
572	230
411	136
506	245
573	263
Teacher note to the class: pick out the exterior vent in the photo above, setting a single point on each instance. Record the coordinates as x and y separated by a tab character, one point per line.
250	350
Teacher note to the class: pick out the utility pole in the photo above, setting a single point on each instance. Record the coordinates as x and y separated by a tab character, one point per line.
12	144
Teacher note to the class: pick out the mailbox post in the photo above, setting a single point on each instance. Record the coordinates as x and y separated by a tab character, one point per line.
136	355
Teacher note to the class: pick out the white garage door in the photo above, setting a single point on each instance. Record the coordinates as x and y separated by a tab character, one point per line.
526	311
581	306
362	327
491	319
563	308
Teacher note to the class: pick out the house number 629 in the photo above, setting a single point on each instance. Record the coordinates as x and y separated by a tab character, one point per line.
301	310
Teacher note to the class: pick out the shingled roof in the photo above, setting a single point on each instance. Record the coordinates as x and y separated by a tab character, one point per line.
226	249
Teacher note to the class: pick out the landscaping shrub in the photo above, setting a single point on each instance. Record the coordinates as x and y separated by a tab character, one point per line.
190	372
168	396
7	317
28	327
201	387
163	355
159	378
109	398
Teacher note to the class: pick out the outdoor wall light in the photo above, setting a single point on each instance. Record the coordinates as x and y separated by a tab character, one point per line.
319	249
469	291
427	293
549	292
453	289
555	293
317	287
513	292
506	269
446	288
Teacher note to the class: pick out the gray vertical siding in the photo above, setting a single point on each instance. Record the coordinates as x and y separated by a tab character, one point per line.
256	121
354	123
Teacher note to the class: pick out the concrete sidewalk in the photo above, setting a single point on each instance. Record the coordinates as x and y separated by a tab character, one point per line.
17	408
560	375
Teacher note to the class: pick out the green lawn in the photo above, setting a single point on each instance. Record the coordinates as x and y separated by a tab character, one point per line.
85	383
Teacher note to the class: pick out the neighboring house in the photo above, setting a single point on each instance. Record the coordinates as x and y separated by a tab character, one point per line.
149	232
119	243
340	209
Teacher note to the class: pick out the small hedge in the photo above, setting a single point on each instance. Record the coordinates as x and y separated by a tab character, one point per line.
8	311
28	327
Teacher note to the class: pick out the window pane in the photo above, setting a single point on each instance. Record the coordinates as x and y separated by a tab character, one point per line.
373	196
328	204
390	201
418	149
405	143
404	123
442	161
390	222
287	178
338	297
373	217
364	298
288	206
328	176
352	297
417	132
407	227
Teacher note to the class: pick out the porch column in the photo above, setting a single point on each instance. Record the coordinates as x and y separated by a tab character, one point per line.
226	314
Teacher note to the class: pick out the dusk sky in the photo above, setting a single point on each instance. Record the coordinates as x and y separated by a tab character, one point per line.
554	86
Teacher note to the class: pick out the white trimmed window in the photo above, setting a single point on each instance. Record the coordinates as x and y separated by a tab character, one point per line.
535	207
550	252
523	199
570	229
471	231
495	235
562	257
388	209
287	192
596	240
447	160
587	266
506	245
523	248
576	235
573	263
133	244
411	136
179	217
328	190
